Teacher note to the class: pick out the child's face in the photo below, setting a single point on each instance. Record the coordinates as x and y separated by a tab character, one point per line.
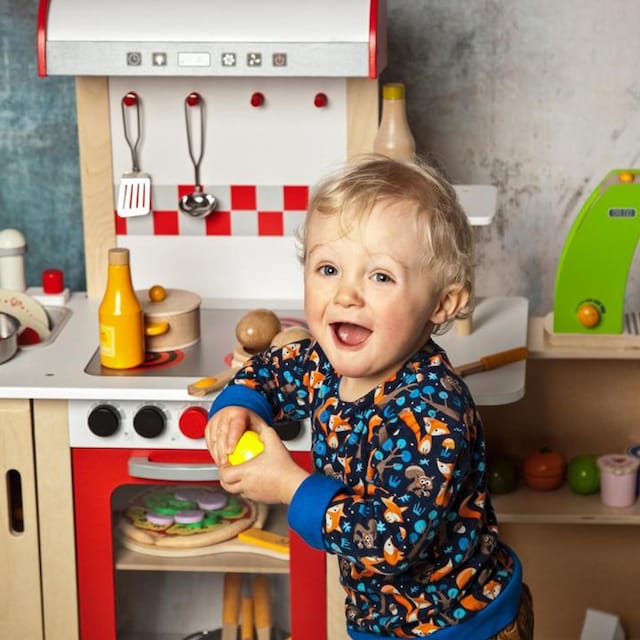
370	299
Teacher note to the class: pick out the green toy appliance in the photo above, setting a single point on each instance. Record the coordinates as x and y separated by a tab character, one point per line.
594	264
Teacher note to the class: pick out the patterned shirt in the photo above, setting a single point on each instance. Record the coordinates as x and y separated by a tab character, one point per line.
409	516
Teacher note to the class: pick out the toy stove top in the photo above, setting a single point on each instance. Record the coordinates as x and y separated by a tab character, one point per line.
210	354
169	424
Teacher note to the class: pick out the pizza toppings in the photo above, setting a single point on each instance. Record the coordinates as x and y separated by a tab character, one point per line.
184	510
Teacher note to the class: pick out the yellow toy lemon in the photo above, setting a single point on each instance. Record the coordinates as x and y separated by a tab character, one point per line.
249	446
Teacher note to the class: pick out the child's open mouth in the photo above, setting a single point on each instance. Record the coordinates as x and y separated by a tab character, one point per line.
350	335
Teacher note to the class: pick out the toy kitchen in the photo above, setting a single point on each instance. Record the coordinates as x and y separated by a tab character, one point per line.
202	126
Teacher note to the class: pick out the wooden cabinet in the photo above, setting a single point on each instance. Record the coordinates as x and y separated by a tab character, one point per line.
576	553
37	556
20	600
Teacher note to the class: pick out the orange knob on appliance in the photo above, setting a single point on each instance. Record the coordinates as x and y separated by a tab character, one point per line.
120	317
589	315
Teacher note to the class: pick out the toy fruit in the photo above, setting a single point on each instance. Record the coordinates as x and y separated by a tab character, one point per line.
248	446
502	476
544	469
583	474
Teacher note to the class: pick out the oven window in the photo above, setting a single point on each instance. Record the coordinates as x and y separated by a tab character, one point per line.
179	549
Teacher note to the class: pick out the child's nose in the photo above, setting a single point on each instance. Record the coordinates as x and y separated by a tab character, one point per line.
348	294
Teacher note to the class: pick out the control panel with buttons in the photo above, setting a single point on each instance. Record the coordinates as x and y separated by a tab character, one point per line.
122	424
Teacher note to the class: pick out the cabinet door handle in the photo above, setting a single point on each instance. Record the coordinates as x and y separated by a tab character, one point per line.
142	467
14	507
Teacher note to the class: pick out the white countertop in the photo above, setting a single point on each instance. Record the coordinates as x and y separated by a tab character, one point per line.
57	370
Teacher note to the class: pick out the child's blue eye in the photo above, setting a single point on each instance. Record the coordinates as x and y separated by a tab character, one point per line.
382	277
328	270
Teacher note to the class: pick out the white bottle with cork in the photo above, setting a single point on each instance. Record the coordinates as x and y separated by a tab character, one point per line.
394	138
120	316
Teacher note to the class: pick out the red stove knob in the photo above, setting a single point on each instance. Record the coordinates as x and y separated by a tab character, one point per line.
104	420
149	422
193	421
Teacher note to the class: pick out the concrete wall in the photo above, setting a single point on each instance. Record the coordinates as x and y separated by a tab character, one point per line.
540	98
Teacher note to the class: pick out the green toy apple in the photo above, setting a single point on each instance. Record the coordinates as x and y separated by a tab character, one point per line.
583	474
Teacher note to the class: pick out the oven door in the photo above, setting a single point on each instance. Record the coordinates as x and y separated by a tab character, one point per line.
98	473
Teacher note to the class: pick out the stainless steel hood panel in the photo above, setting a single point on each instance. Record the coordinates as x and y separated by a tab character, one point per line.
212	37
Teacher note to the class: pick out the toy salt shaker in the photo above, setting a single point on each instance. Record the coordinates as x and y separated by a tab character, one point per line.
12	250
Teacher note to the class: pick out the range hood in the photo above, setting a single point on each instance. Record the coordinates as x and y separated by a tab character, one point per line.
212	37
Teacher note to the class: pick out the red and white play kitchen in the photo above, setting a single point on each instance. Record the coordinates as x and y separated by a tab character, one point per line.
260	101
202	126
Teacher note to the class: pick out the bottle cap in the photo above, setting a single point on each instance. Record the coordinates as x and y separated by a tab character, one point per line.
52	281
393	91
119	256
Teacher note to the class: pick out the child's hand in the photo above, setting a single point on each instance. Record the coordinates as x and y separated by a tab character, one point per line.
224	430
271	477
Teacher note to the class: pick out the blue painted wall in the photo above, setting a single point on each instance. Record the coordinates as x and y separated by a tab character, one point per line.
39	173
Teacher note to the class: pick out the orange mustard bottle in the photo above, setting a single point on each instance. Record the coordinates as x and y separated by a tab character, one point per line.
120	316
394	138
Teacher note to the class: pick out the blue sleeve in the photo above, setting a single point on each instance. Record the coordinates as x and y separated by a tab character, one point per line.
309	505
241	396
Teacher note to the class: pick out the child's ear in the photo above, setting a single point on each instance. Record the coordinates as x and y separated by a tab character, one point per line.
453	299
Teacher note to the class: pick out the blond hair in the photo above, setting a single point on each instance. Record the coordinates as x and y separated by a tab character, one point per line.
353	191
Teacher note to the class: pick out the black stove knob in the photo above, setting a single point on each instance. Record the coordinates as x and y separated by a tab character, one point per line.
104	420
149	422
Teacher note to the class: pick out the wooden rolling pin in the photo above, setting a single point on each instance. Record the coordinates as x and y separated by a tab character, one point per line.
262	606
493	361
246	622
231	605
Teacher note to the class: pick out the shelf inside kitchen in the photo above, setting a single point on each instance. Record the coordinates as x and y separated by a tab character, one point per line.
562	506
231	555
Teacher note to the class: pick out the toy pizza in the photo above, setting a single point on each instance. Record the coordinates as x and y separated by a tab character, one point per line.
179	517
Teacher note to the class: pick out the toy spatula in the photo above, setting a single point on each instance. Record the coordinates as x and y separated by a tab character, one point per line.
134	194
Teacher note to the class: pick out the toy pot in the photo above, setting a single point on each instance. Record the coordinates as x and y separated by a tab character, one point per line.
171	318
618	479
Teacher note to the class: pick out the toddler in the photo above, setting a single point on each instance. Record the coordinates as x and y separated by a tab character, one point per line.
399	489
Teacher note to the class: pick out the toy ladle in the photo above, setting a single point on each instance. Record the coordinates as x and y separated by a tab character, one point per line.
197	204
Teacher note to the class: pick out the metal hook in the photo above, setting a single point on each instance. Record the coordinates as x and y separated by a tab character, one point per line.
194	99
131	100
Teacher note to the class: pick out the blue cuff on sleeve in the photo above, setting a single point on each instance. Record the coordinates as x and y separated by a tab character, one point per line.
309	505
238	395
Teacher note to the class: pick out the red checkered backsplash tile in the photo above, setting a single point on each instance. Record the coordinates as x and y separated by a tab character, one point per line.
243	210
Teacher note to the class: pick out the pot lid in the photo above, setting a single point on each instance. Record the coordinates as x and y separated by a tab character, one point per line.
175	301
212	37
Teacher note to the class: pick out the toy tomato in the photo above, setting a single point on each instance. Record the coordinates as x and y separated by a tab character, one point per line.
544	469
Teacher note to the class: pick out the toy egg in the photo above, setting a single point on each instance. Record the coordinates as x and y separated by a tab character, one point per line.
248	446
